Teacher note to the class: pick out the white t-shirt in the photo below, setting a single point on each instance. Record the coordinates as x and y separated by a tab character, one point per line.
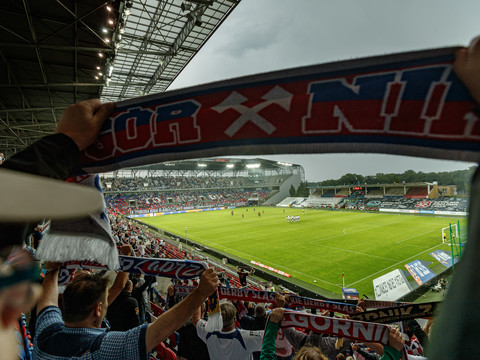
237	344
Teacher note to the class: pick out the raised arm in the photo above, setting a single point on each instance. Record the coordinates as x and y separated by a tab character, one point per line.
82	122
174	318
197	315
121	278
394	347
54	156
49	296
268	345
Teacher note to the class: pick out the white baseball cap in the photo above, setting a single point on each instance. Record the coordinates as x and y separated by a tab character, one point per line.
26	197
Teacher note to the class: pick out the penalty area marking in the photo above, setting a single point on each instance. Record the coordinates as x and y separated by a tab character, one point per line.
389	267
413	237
354	227
353	232
357	252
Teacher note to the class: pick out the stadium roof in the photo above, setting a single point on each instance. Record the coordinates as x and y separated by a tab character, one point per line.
394	185
223	164
57	52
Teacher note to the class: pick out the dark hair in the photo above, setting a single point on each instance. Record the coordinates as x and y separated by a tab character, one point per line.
82	295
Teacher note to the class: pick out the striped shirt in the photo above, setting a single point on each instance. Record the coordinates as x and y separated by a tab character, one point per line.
54	341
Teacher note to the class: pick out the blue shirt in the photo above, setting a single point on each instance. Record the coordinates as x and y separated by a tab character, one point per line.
54	341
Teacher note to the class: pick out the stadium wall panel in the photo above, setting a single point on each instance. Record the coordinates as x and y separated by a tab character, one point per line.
284	190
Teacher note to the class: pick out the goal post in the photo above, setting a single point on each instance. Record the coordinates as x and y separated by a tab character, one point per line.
455	237
450	234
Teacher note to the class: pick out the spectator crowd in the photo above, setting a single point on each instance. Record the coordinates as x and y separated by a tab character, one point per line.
123	317
170	201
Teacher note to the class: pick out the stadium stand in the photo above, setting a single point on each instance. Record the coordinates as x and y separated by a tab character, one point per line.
444	206
394	192
417	192
287	201
173	183
342	193
168	201
316	202
329	193
374	193
357	194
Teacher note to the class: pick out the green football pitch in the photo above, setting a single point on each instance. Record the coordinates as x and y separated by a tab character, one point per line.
321	246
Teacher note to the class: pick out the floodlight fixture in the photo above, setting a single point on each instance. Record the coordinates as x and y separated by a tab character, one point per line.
253	166
230	166
128	7
185	6
202	165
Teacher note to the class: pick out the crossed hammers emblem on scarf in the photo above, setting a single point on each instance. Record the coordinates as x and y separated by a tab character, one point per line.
276	95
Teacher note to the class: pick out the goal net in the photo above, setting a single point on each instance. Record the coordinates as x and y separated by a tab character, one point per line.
450	234
455	237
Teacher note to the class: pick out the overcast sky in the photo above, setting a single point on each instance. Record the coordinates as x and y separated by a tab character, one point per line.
266	35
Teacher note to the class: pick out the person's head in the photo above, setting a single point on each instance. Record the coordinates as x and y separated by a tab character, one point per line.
84	297
228	312
310	353
128	286
260	310
20	212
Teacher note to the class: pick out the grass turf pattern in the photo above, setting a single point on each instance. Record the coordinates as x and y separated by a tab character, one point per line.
319	247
